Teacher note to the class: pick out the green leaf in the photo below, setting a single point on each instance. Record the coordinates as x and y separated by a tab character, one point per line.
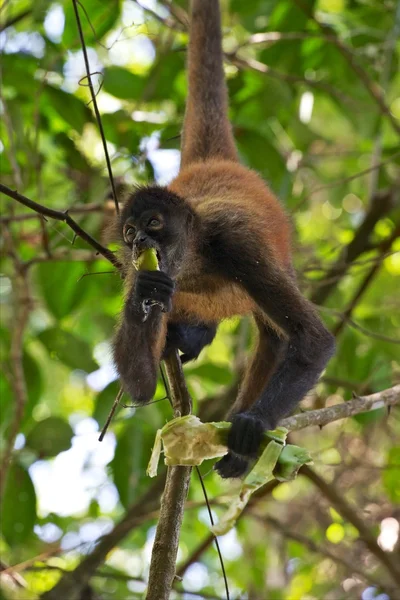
390	475
50	437
18	72
18	509
34	384
6	402
123	84
215	373
67	348
67	106
132	454
60	285
121	130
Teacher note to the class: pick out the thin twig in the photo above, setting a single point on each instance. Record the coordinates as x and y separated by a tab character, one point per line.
111	414
96	109
343	180
367	332
62	216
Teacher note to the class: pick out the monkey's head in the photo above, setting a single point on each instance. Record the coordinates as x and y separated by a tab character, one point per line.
154	217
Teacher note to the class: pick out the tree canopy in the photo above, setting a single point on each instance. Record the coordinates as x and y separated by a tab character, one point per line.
315	108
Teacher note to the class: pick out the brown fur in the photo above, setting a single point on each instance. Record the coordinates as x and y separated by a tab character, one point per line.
235	257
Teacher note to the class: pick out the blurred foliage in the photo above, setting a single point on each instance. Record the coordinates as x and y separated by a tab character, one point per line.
310	126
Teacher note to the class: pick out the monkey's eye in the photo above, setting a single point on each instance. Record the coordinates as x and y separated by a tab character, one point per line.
129	233
154	224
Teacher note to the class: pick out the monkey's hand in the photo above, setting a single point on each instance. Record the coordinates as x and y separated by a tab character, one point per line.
153	287
244	441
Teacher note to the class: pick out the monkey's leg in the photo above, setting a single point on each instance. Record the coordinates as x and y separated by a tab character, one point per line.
309	348
269	353
189	339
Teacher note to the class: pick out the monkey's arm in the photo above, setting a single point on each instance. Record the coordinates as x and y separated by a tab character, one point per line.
139	343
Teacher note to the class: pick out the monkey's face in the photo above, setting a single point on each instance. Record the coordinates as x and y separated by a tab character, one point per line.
155	218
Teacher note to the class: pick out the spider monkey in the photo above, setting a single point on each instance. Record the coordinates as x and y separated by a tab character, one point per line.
223	244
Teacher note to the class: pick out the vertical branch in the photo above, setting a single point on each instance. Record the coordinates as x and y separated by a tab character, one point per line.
165	549
23	305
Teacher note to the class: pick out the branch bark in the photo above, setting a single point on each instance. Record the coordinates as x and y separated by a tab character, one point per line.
165	549
389	397
62	216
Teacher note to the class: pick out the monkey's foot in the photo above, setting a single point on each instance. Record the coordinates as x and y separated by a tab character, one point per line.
231	466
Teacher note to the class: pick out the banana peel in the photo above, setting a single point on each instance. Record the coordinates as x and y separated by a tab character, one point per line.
187	441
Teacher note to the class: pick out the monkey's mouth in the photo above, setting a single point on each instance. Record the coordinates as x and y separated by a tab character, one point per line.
137	251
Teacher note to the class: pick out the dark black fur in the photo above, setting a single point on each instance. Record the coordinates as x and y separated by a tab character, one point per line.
307	351
189	339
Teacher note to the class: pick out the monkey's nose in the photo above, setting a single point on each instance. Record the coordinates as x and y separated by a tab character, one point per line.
141	241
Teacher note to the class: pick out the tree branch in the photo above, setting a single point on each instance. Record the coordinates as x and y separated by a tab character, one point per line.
389	397
77	209
381	203
345	562
72	583
62	216
384	247
165	549
22	308
348	513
